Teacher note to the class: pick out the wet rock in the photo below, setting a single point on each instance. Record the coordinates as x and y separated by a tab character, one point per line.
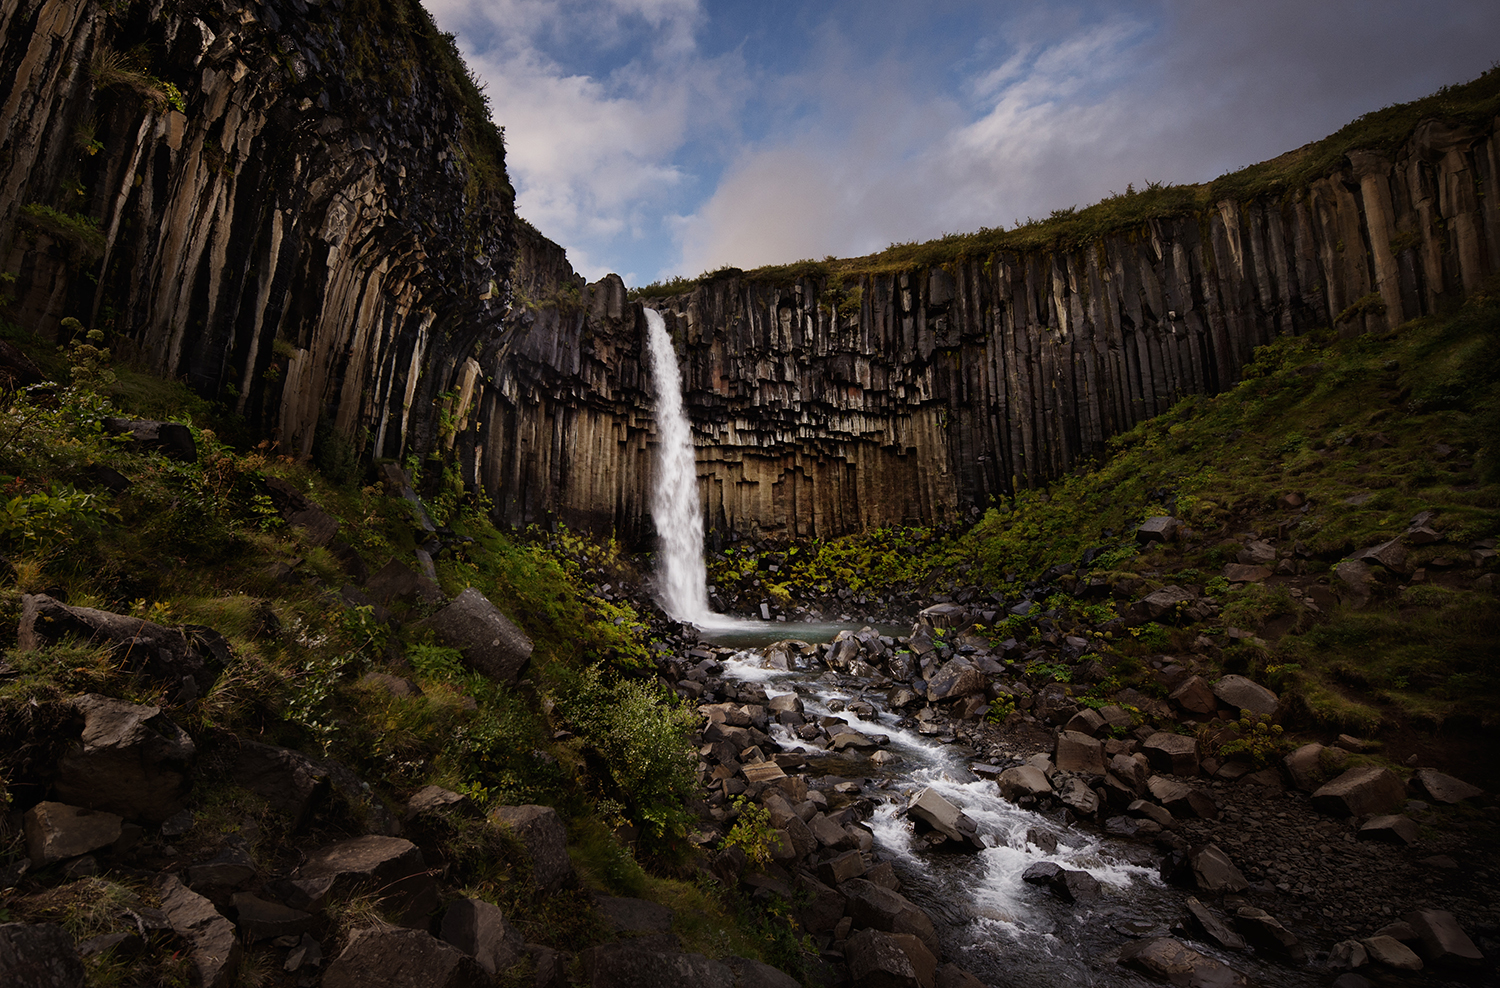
1348	955
1391	828
1068	884
38	955
1266	933
883	960
1078	797
931	810
1392	953
57	831
480	930
890	912
1442	788
1202	921
490	643
1167	960
1360	791
1443	941
393	957
1172	753
546	839
1239	693
213	946
952	976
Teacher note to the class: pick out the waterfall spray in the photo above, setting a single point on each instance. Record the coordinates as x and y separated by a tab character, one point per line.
681	575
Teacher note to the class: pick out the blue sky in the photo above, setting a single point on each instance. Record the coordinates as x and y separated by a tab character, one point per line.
661	137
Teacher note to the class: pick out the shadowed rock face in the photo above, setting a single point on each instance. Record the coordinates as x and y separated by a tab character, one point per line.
307	241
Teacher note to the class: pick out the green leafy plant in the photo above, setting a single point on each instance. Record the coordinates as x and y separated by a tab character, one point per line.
752	832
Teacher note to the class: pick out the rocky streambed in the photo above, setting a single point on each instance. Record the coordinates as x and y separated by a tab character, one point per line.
1108	843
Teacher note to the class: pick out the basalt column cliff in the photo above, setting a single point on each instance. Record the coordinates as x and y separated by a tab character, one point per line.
300	209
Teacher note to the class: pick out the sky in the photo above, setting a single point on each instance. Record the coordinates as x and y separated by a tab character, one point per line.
654	138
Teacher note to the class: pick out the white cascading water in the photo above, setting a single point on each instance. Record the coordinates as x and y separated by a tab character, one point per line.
681	575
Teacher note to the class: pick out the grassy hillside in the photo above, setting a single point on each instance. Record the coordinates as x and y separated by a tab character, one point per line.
91	519
1386	129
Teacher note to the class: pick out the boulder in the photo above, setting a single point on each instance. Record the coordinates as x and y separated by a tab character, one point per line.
1182	800
640	964
1443	941
1390	828
1245	573
1442	788
1392	953
883	960
231	867
489	642
1167	960
877	908
1358	578
1172	753
1266	934
300	786
1202	921
1155	606
1346	955
258	919
1239	693
950	975
1078	797
214	947
391	867
1162	528
1214	872
57	831
1086	721
1068	884
1023	780
38	955
1392	555
396	581
190	657
818	908
480	929
755	974
930	810
1194	696
393	957
1079	753
172	439
1360	791
439	801
1305	766
131	760
956	680
542	831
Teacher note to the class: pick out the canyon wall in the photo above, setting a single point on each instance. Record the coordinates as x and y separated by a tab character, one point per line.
287	205
919	395
277	202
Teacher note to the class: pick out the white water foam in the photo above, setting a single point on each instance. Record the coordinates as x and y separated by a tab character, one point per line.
682	578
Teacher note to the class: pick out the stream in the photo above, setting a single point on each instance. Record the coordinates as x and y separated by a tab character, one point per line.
992	923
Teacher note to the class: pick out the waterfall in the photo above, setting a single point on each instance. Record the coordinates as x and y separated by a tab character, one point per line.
681	576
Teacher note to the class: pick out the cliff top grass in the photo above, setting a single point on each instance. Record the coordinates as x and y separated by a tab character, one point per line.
1476	102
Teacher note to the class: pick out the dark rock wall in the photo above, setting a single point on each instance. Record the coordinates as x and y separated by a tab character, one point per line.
307	240
947	387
